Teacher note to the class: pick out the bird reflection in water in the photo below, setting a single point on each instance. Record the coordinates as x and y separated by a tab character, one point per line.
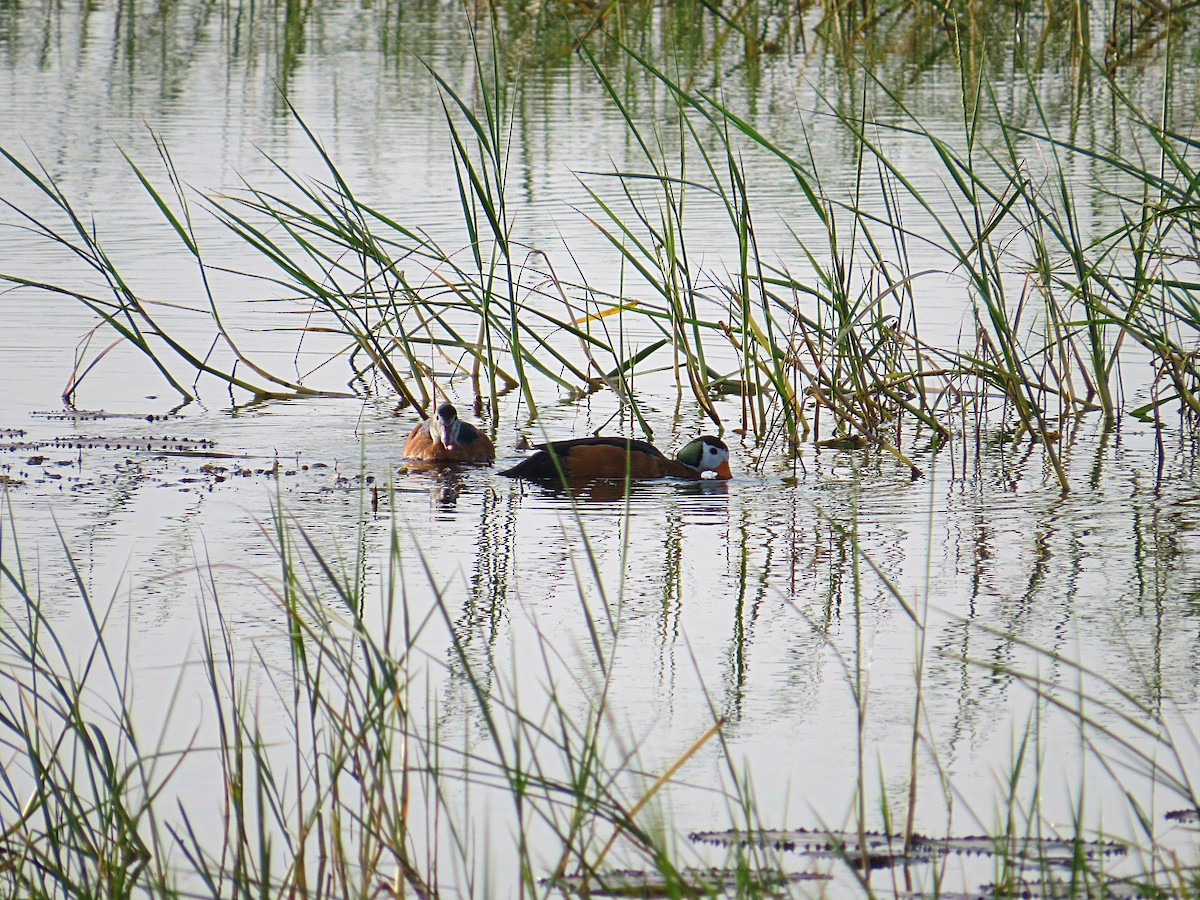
446	482
618	490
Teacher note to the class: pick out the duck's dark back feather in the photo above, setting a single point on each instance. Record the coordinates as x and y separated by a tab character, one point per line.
468	433
629	445
591	457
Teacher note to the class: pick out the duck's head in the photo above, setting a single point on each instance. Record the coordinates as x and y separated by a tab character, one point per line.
443	426
706	454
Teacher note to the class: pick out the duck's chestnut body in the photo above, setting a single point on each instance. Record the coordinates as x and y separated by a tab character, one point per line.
444	437
603	457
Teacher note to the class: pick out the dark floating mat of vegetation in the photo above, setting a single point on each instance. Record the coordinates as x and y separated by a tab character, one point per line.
96	415
634	883
889	849
1110	890
1025	890
148	444
1184	816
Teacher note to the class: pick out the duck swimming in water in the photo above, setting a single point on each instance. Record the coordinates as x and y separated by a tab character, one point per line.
581	459
444	437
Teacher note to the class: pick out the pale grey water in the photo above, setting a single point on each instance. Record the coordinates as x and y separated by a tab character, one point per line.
737	598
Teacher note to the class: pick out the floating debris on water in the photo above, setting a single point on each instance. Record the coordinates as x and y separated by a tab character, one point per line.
889	848
633	883
164	444
150	444
97	415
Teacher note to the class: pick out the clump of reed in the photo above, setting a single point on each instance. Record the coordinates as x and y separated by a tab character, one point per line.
331	775
333	768
829	347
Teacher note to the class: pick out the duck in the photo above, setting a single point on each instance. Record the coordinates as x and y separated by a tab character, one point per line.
444	437
582	459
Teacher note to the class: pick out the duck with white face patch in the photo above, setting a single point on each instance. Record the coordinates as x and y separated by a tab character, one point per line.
604	457
444	437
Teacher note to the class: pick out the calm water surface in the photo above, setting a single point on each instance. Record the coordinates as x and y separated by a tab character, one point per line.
756	599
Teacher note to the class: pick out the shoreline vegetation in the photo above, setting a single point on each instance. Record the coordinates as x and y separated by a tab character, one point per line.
1071	318
338	777
1065	308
